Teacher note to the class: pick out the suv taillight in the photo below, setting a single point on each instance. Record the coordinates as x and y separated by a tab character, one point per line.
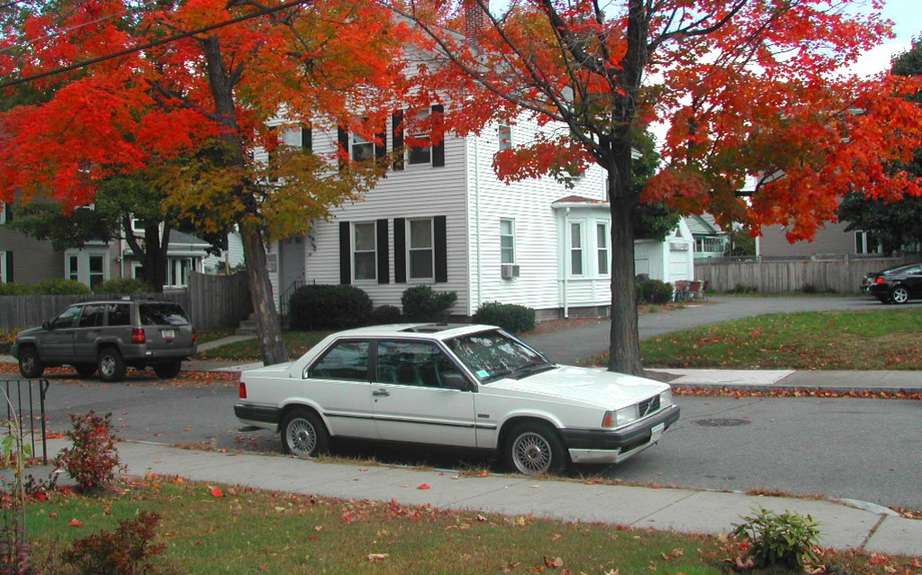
879	280
243	390
137	335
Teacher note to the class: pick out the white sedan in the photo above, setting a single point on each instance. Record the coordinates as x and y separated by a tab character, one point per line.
470	386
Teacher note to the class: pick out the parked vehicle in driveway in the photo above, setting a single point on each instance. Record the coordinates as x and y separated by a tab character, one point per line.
470	386
108	337
895	285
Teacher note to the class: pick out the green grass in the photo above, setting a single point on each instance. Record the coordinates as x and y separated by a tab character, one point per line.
886	339
206	335
297	342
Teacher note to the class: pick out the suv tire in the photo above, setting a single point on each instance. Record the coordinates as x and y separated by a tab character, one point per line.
111	365
30	364
85	370
303	433
168	369
533	448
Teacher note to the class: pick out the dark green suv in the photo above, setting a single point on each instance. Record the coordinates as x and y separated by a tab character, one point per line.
109	336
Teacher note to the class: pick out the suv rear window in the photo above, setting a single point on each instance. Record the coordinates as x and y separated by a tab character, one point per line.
162	314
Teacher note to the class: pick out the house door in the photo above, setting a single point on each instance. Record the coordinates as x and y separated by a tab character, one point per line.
291	263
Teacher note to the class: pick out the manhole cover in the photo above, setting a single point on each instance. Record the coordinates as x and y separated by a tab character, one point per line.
722	422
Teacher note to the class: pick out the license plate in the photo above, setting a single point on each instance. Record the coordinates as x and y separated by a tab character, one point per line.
657	432
168	333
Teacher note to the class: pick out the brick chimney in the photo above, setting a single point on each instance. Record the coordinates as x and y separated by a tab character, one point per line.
473	21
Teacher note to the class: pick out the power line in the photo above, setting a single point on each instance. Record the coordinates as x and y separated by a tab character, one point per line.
152	44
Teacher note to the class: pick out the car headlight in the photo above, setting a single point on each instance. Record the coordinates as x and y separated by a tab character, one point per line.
665	398
617	418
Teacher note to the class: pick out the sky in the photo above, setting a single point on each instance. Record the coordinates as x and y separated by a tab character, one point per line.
907	24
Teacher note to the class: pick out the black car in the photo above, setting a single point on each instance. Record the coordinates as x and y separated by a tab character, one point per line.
895	285
109	336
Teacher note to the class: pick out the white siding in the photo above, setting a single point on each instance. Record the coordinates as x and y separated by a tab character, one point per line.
536	229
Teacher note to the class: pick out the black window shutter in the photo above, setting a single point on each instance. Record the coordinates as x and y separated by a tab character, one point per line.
9	267
397	136
381	144
400	251
8	209
384	271
345	253
441	249
307	139
438	134
343	151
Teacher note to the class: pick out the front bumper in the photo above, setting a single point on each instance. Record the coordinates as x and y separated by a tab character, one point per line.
603	446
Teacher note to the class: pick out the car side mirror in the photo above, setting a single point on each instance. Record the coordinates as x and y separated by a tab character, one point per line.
47	324
455	381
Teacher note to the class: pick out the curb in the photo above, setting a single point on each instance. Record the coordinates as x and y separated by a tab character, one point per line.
795	388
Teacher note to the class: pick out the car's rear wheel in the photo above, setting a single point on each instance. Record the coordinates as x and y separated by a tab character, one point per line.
168	369
85	370
111	365
899	295
533	448
30	365
304	434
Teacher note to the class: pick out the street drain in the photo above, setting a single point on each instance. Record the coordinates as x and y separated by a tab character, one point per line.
722	422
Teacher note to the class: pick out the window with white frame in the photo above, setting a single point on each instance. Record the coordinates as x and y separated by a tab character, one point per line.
507	241
178	269
576	248
97	270
420	247
4	274
504	134
73	268
3	208
362	149
866	243
419	139
601	237
364	251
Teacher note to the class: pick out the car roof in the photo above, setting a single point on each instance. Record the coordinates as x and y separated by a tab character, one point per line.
144	301
439	331
900	268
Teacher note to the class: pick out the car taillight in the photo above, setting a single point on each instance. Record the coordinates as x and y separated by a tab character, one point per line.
137	335
879	280
243	390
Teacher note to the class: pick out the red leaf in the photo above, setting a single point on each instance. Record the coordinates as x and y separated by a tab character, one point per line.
424	486
75	523
216	492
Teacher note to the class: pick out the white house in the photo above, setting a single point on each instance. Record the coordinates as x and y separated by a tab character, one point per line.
444	219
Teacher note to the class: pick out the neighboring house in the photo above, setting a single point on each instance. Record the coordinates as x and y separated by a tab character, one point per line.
442	218
670	260
24	259
710	240
830	240
228	260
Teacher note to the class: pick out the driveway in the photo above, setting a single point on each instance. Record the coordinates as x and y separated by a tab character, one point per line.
569	346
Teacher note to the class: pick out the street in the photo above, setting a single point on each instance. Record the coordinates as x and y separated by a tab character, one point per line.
852	448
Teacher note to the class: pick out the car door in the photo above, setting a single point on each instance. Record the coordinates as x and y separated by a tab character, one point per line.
57	344
87	332
412	400
914	281
339	381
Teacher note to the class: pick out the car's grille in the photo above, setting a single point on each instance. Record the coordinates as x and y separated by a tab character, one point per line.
648	406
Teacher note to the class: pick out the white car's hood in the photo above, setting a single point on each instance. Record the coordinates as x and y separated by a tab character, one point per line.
599	387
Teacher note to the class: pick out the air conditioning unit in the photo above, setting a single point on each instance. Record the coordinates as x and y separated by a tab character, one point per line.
510	271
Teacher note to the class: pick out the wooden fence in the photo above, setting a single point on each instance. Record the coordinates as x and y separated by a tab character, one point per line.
843	275
210	300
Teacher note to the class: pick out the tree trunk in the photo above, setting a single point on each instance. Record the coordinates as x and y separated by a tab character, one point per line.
155	256
254	247
624	346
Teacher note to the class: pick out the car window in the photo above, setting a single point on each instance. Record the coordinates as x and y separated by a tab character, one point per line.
418	363
914	270
66	318
345	360
119	314
92	315
162	314
491	355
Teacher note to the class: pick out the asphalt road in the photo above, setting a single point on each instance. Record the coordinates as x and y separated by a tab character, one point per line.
856	448
572	345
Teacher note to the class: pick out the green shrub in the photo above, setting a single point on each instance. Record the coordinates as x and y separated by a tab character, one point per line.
771	538
60	286
16	289
329	307
653	291
123	286
511	317
422	303
385	314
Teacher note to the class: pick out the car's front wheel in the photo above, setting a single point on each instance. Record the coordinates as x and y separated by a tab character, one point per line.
533	448
111	365
304	434
85	370
30	365
168	370
899	295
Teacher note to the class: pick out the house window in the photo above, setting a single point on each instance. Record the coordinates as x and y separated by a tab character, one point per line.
507	241
364	255
362	149
866	243
3	209
601	234
73	268
137	225
137	271
504	134
4	273
421	250
576	249
709	245
419	139
178	271
97	271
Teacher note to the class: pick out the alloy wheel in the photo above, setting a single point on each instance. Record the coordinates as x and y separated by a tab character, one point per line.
301	437
900	295
107	365
531	453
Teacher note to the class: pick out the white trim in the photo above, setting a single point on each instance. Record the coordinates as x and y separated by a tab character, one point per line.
410	249
2	262
2	213
352	251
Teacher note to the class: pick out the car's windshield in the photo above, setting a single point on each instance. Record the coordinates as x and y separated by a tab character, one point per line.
491	355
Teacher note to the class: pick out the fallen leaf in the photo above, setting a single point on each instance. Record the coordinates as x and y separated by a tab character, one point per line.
75	523
519	521
216	492
555	563
424	486
378	556
555	536
481	517
674	554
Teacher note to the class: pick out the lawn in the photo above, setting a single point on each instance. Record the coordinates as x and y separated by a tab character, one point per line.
247	531
885	339
297	342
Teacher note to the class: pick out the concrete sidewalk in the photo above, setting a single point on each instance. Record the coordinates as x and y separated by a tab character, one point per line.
893	381
842	526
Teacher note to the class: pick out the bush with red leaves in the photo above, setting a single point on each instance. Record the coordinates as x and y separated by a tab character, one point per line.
128	550
92	459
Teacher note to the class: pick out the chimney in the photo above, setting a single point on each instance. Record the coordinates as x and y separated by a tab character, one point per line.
473	21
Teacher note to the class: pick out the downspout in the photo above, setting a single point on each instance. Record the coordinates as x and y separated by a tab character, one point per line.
477	219
566	241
